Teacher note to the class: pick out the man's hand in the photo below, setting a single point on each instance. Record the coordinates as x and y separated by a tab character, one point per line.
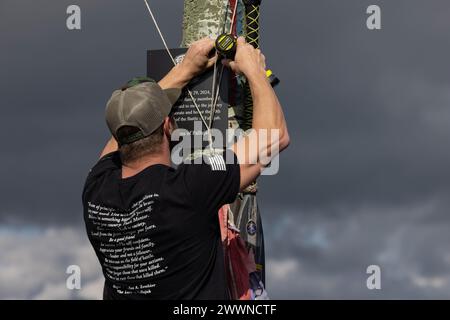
196	61
248	60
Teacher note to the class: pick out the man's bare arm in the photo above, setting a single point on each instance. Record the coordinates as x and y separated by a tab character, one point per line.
267	116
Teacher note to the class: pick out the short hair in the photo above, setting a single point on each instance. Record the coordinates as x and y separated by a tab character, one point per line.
146	146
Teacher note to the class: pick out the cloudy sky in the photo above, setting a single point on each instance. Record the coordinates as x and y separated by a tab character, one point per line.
366	180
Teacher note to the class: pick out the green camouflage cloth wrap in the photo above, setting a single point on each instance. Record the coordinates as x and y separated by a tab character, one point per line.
207	18
203	18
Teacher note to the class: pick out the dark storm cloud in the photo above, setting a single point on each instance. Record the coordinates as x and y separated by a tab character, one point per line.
365	180
371	115
54	91
315	254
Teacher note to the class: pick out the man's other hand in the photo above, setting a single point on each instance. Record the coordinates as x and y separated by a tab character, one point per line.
248	60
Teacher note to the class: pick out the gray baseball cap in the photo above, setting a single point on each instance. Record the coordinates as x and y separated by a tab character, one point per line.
142	107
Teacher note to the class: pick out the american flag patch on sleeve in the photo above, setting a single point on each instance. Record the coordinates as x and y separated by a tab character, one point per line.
217	162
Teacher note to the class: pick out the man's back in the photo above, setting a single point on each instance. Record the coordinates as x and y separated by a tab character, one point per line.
157	234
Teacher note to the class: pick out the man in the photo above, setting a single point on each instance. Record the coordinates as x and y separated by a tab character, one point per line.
155	229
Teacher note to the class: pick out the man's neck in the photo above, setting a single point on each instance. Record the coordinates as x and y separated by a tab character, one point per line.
133	168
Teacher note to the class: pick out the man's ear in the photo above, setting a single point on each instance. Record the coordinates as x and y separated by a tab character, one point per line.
168	126
173	124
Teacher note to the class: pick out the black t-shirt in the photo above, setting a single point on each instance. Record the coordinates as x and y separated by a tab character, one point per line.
157	234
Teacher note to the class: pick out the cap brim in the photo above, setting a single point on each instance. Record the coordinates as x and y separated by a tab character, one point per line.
173	95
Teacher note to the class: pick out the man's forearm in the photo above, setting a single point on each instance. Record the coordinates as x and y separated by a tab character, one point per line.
252	151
